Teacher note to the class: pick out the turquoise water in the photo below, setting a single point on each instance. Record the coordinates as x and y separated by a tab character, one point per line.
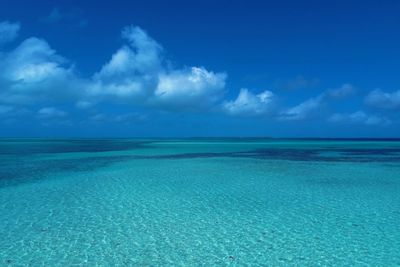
233	202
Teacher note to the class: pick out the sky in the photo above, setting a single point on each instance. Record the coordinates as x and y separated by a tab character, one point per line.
199	68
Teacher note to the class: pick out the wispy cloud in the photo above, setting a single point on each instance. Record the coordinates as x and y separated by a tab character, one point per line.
73	17
51	112
380	99
343	91
5	109
312	106
359	117
8	31
303	110
125	118
299	82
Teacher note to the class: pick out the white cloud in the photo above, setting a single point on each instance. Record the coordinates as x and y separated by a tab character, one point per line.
380	99
303	110
34	61
249	104
138	71
8	31
359	117
133	70
147	50
33	71
194	88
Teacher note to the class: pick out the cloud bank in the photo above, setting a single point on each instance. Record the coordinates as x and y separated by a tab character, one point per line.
137	72
34	76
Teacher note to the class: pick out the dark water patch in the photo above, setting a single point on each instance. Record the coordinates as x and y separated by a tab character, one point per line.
31	147
315	155
30	171
373	152
19	165
330	155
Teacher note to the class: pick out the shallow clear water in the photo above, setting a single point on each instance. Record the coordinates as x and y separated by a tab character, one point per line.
233	202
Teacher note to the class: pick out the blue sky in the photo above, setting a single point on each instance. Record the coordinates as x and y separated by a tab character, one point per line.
200	68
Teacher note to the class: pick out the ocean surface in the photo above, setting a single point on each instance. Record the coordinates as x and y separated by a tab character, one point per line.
199	202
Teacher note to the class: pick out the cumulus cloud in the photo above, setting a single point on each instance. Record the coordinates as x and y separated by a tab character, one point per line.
33	71
359	117
189	89
380	99
33	61
142	55
249	104
138	71
133	70
8	31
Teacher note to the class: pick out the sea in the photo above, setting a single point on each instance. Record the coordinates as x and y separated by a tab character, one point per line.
200	202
